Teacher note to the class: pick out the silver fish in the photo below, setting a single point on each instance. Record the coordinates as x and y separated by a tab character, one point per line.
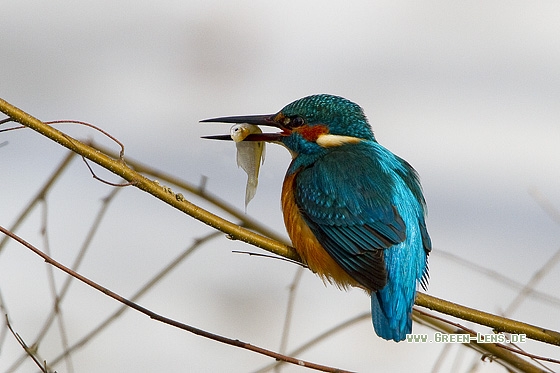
250	155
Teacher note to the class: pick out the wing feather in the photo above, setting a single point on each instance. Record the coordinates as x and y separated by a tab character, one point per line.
346	198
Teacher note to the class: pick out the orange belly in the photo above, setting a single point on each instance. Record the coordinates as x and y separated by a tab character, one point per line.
305	243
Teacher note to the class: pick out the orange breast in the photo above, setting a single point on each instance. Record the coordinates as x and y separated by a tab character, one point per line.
305	243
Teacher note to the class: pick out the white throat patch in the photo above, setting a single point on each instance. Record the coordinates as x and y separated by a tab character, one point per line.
330	141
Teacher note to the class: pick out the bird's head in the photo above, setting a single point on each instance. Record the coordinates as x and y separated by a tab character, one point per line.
310	125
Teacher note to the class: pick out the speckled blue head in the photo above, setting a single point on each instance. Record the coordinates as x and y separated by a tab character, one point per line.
341	116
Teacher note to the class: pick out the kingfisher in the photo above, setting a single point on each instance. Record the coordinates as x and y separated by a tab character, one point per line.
354	211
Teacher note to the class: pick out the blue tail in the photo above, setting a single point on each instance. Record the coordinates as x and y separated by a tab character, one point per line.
391	307
406	264
389	323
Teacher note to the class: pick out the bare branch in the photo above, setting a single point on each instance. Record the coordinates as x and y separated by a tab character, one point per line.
30	351
39	196
166	320
498	323
165	194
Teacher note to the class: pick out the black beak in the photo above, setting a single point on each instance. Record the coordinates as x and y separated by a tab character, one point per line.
258	120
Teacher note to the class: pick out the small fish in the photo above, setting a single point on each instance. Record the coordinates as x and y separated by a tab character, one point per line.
250	154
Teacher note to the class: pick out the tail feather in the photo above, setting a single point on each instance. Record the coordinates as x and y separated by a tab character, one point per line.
389	324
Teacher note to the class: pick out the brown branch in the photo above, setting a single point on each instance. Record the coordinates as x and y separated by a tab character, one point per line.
444	325
497	353
498	323
31	352
166	320
39	196
143	290
118	167
105	133
198	190
321	337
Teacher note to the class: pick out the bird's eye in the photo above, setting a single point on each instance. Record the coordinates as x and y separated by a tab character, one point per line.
294	122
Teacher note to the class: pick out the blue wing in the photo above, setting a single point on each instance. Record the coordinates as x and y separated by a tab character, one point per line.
347	199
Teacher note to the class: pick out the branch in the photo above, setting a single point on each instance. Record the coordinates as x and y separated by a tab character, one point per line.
198	190
30	351
40	195
166	320
498	323
119	167
500	353
139	293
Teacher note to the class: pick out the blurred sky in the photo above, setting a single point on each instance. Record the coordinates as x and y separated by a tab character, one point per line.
467	92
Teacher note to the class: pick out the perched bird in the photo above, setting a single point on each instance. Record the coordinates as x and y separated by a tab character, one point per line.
354	211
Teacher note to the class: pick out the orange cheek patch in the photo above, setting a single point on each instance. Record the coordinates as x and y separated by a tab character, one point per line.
312	133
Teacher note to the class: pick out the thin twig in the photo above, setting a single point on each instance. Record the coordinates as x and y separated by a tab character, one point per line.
199	190
107	134
39	196
77	261
498	323
290	310
509	360
270	256
4	332
94	175
166	320
497	277
473	333
532	283
52	285
143	290
30	351
321	337
552	212
166	195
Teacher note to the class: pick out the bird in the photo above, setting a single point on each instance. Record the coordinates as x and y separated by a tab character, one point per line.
354	211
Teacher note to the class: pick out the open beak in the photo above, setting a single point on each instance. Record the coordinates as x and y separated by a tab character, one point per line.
258	120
